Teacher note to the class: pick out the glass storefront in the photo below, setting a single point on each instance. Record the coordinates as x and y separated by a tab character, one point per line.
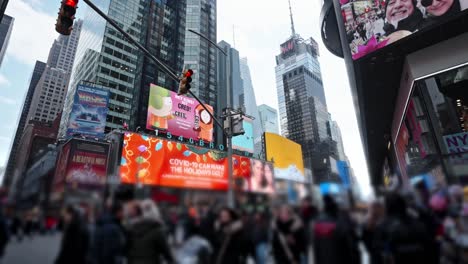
432	143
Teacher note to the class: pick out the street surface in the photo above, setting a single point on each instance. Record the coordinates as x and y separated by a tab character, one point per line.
36	250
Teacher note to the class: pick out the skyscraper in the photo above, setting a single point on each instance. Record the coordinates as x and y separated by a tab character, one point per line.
268	119
200	55
6	26
51	89
105	58
303	109
336	136
39	68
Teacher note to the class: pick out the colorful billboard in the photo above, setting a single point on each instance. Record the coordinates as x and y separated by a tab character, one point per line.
245	142
89	112
178	115
261	176
371	25
156	161
286	156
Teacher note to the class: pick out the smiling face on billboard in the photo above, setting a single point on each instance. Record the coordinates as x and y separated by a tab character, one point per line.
398	10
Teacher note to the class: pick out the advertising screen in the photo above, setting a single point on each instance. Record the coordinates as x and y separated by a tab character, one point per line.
286	156
261	176
178	115
245	142
371	25
89	112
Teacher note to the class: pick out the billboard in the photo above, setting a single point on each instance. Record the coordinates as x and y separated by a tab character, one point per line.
261	176
89	112
156	161
245	142
371	25
178	115
286	156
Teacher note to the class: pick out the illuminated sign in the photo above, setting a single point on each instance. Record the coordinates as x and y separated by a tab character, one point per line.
288	47
286	155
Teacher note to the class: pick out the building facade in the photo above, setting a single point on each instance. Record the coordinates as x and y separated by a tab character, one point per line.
39	68
6	26
268	119
337	137
302	106
106	59
199	54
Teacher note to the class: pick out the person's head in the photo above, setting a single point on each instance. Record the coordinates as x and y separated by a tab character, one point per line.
395	205
133	210
150	210
69	214
227	215
257	169
397	10
117	211
439	8
306	201
285	213
376	209
329	205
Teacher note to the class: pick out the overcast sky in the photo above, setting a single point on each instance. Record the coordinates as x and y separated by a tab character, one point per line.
260	26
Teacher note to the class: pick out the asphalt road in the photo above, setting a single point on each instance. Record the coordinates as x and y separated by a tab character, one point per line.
35	250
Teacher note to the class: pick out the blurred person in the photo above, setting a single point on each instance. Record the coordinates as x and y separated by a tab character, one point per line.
74	246
260	236
109	237
462	238
374	218
229	244
334	237
307	211
16	227
401	237
4	236
289	241
404	15
196	249
147	241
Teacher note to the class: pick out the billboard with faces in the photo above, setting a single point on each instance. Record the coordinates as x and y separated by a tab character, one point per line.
371	25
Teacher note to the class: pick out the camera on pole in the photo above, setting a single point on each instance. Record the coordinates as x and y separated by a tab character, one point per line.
66	16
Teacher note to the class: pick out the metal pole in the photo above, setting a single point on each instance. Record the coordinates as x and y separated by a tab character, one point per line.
146	52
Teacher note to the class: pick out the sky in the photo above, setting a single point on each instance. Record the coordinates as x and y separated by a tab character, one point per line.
257	28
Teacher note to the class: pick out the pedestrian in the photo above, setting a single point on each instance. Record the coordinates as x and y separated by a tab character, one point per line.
334	237
261	233
375	217
229	244
289	240
74	246
109	238
16	228
147	242
4	236
196	249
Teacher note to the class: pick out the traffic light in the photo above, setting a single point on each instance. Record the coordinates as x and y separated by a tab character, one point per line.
66	15
184	84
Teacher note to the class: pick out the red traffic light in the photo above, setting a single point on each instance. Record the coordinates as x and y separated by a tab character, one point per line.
188	73
184	84
72	3
66	15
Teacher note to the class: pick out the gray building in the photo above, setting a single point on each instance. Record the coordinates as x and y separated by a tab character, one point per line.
39	69
6	26
268	119
200	55
336	136
106	59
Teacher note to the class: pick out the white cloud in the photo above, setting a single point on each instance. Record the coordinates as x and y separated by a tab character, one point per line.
259	31
7	101
4	82
33	33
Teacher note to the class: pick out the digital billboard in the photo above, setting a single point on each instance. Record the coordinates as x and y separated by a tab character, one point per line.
261	176
89	112
245	142
286	156
156	161
178	115
371	25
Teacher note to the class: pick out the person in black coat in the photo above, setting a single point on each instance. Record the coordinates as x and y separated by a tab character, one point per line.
289	240
229	242
74	246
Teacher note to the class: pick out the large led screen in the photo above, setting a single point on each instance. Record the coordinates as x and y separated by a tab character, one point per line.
245	142
89	112
178	115
371	25
286	156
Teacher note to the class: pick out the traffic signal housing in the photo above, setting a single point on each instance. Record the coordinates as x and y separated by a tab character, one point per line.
237	125
184	84
66	15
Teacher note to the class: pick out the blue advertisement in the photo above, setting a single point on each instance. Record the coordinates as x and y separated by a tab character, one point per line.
343	172
89	112
245	142
329	188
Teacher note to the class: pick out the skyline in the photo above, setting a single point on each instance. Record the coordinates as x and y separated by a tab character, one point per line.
254	41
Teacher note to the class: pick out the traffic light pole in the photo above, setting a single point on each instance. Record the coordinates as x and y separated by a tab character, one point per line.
147	53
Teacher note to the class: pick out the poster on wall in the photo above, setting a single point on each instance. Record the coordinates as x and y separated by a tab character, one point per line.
289	165
89	112
178	115
371	25
245	142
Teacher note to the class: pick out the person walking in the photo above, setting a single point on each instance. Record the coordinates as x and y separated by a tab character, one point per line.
147	241
74	246
229	246
334	237
289	241
260	234
196	249
375	217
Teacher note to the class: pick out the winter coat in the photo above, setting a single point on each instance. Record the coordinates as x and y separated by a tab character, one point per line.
292	235
196	250
335	241
109	241
229	244
147	243
74	246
